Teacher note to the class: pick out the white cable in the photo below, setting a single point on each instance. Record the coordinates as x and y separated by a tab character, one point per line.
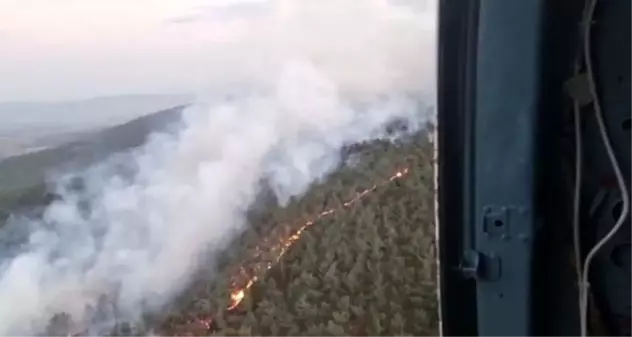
578	181
577	196
589	13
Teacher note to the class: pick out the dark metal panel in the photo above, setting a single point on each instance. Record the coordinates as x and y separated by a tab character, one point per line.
456	56
506	112
489	100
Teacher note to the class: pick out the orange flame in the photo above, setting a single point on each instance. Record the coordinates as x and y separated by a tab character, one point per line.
207	322
239	294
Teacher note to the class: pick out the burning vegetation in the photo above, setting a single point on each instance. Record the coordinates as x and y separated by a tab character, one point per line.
355	256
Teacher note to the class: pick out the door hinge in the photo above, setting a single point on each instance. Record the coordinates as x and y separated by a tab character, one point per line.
479	266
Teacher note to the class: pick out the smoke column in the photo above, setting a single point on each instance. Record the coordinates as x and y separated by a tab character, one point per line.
138	238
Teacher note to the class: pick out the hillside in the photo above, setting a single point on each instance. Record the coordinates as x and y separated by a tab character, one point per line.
32	126
366	267
22	178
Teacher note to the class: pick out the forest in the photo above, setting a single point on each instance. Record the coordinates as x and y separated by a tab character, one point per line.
354	256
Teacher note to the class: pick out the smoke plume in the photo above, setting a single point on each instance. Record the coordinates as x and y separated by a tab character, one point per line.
138	236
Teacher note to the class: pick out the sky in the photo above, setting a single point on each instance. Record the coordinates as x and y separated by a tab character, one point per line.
73	49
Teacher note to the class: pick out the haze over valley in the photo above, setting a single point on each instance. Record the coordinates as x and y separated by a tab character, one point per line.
33	126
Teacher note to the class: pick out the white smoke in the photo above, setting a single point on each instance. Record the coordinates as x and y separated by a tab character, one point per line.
140	238
364	46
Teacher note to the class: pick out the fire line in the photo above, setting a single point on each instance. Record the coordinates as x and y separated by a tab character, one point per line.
239	293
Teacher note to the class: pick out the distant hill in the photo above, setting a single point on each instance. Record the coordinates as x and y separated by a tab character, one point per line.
33	125
22	178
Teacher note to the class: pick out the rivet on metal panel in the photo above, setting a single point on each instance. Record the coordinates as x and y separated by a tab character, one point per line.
496	223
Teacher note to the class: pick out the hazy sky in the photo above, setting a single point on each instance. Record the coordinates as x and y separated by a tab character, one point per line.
67	49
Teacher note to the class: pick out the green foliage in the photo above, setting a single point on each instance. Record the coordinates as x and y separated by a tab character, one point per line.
366	270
